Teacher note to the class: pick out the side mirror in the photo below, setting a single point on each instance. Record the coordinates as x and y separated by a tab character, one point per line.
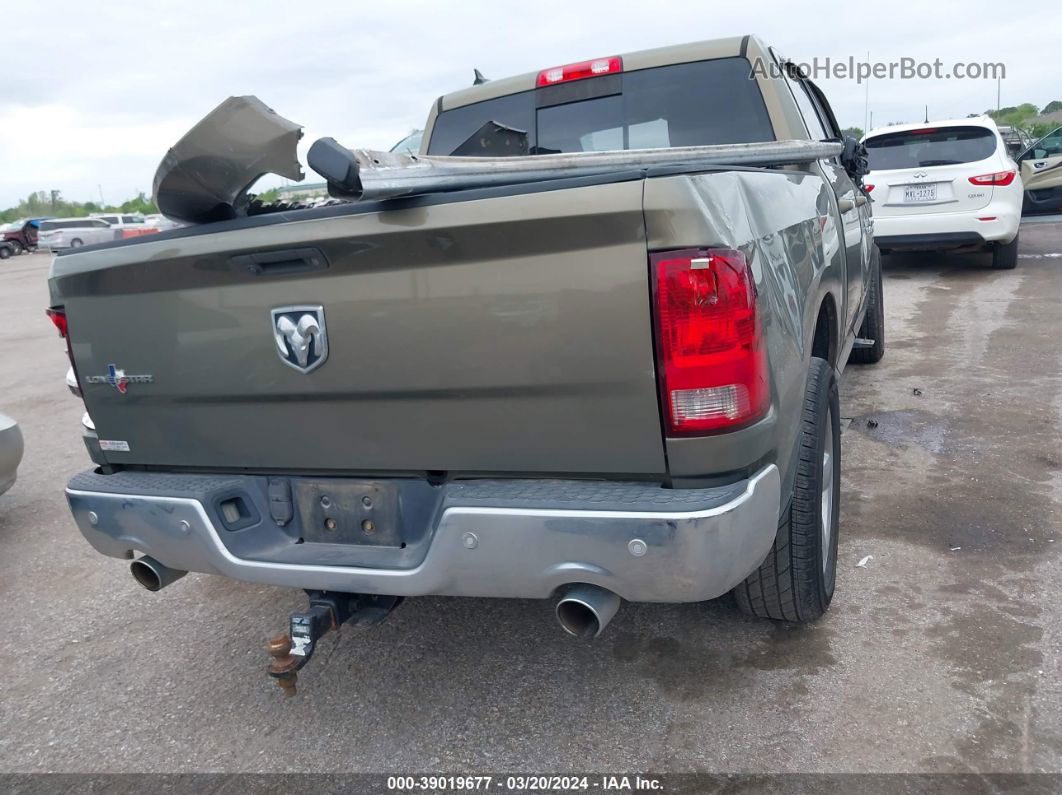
854	159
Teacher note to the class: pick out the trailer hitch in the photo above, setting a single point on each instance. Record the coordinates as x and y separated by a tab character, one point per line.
328	611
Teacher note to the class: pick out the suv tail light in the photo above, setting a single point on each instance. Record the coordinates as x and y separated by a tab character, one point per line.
1001	178
578	71
711	355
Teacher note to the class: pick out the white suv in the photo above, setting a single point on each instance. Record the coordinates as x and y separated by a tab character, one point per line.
944	185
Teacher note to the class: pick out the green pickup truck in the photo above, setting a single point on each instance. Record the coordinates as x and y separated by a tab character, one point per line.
591	356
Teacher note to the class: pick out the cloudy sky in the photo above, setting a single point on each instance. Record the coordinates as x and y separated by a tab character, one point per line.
94	93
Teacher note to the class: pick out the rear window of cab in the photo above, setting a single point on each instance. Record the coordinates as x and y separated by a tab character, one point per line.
932	146
687	104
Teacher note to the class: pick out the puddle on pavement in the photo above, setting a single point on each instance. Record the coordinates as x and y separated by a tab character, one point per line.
905	427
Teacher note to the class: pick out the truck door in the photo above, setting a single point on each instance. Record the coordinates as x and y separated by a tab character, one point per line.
852	204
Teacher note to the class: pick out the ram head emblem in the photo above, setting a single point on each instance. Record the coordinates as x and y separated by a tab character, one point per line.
300	335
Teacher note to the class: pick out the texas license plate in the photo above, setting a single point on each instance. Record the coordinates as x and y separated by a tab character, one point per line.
919	193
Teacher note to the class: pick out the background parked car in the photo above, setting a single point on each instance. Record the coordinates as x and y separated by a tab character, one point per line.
411	143
1016	139
10	452
128	224
1041	173
60	233
945	185
22	235
120	219
161	222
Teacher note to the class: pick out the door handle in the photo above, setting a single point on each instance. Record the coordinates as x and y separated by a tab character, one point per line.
861	199
845	205
289	260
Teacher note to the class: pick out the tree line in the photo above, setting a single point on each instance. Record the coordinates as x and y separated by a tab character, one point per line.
1024	116
53	204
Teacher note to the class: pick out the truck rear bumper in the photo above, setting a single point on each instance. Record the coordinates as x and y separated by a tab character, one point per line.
520	539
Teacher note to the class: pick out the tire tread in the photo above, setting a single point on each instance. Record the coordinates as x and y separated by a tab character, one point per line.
786	585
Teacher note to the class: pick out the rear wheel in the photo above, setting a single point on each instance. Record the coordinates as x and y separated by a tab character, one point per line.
5	252
873	327
1005	255
76	243
16	247
796	581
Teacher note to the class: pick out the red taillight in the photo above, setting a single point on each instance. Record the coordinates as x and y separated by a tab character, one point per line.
869	188
57	314
923	131
578	71
1001	178
712	359
58	318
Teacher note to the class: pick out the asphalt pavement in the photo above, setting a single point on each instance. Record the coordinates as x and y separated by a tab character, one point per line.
940	654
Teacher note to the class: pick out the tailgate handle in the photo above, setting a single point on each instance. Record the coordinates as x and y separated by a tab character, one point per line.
290	260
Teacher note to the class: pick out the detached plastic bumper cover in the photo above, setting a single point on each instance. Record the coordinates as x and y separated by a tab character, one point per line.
519	538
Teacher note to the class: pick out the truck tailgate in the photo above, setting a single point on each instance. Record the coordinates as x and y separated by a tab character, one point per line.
506	333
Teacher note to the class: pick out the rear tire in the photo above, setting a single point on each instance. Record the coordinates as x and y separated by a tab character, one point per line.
16	247
1005	255
5	252
873	326
796	581
76	243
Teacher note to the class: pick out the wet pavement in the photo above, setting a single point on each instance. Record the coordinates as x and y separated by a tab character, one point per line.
941	654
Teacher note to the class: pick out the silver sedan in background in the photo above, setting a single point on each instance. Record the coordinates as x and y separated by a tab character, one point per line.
10	451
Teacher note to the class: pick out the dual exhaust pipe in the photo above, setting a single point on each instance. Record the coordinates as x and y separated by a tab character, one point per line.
583	611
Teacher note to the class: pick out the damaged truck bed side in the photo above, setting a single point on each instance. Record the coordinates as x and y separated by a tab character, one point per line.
615	377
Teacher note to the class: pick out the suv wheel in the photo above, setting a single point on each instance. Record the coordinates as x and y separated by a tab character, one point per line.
1005	255
76	243
16	247
796	581
5	252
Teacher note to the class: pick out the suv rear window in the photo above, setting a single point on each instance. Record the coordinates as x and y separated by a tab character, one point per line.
939	146
690	104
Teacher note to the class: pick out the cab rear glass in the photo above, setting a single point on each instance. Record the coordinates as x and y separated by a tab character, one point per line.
932	146
689	104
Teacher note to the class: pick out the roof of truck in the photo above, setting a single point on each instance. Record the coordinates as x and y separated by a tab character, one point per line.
641	59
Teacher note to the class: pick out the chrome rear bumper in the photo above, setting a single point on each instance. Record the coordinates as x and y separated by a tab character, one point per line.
488	538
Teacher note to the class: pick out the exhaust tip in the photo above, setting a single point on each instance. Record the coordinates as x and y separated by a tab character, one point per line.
145	575
578	620
152	575
585	610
